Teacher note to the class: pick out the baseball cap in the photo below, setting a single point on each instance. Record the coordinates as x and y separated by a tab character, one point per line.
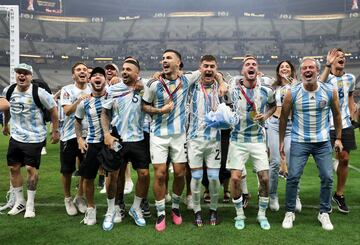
113	66
25	67
97	70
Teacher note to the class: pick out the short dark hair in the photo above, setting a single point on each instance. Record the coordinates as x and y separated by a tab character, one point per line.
132	62
248	57
208	57
75	65
173	51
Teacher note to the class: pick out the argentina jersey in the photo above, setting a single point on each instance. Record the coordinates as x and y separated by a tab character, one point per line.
91	109
203	99
157	95
247	130
69	94
344	85
128	117
310	118
26	118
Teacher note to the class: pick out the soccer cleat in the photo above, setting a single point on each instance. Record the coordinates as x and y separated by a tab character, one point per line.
90	216
189	202
18	208
129	185
288	220
108	222
340	202
206	197
137	216
80	203
246	197
160	224
227	197
117	218
264	223
240	222
70	207
30	210
10	200
145	208
214	218
176	216
298	205
325	221
198	219
274	204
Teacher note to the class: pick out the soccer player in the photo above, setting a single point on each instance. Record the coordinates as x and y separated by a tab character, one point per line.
165	99
204	142
344	83
91	109
28	133
128	118
310	102
250	99
71	96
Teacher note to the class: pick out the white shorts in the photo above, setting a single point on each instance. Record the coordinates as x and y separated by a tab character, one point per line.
200	151
239	153
163	146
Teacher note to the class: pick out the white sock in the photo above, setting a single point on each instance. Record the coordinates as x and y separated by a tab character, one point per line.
263	204
160	207
137	202
238	203
111	205
214	185
30	197
175	201
195	190
19	194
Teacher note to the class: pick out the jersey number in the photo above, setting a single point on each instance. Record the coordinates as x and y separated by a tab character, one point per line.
217	157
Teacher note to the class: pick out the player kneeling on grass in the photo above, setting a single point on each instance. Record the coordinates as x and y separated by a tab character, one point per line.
91	109
203	141
28	134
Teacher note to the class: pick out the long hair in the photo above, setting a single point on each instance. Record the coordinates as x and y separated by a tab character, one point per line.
278	77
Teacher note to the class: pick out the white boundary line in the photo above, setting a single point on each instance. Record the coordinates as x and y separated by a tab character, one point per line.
354	168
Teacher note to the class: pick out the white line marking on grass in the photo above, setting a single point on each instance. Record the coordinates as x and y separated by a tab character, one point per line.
354	168
220	205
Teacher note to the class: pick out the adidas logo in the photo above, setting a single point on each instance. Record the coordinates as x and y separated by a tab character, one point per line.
312	98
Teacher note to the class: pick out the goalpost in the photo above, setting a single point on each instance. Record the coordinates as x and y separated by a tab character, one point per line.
13	17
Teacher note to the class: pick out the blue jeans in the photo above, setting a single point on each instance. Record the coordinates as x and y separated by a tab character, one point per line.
273	144
299	155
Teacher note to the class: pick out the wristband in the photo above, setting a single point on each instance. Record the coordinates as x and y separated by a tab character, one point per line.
327	65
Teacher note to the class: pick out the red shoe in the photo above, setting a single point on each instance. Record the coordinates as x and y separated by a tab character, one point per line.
160	223
176	216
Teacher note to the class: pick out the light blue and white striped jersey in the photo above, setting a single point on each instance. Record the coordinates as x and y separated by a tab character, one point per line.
344	85
91	109
311	113
203	98
26	119
128	117
68	96
280	93
155	94
247	130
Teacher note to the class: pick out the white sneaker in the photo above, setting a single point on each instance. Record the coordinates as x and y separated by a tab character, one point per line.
108	222
70	207
167	197
274	204
18	208
103	190
43	151
137	215
30	211
288	220
117	218
298	205
90	216
80	204
129	185
325	221
10	200
189	202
